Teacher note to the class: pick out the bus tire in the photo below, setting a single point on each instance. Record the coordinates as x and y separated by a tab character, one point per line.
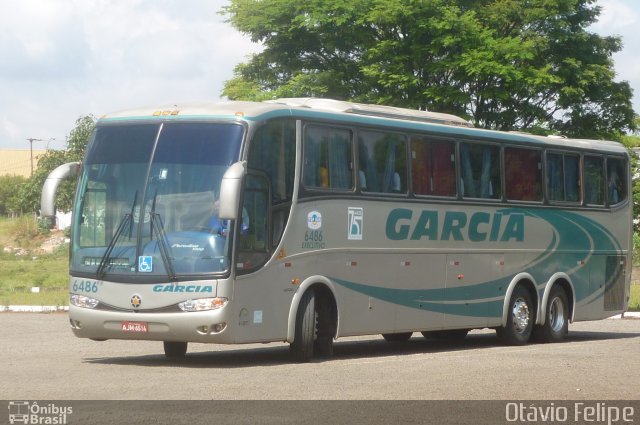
323	345
304	337
556	321
450	335
399	337
520	318
174	350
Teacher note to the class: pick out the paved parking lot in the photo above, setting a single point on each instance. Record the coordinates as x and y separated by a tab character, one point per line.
41	359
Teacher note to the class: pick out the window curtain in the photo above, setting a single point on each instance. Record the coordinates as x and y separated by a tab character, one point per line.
442	166
468	184
339	160
312	155
571	178
388	178
485	176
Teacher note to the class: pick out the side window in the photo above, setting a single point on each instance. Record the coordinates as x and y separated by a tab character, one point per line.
253	241
273	151
523	174
92	228
593	180
433	167
563	177
616	180
382	162
328	158
480	171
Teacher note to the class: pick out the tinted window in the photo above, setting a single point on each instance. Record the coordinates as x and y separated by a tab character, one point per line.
383	163
327	158
122	144
273	151
480	171
563	177
433	167
594	180
198	144
523	174
616	180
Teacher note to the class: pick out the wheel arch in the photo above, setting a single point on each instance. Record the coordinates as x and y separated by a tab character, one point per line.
529	284
323	287
565	282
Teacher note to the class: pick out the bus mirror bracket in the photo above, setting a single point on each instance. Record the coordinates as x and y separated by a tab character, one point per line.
231	189
50	187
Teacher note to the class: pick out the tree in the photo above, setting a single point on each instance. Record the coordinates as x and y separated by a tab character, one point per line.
9	194
504	64
77	141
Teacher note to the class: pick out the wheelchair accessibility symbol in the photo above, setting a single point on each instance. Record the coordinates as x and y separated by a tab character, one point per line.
145	264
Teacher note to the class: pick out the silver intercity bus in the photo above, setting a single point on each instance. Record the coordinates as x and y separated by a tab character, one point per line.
306	220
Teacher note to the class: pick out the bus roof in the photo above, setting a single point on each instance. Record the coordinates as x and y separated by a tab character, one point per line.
388	116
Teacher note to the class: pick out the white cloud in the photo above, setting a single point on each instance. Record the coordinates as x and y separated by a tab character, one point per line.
40	41
616	16
68	58
621	18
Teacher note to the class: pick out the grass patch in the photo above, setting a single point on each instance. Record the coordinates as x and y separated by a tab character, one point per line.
56	298
634	302
50	274
20	273
23	232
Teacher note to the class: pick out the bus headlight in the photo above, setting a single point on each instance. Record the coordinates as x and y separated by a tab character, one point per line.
83	301
203	304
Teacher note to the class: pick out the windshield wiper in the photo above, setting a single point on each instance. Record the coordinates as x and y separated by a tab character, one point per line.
127	219
157	229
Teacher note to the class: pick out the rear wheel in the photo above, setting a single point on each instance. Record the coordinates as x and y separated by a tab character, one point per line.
556	321
304	337
520	318
175	350
399	337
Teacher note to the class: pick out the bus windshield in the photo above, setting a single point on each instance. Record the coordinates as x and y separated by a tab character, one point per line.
148	198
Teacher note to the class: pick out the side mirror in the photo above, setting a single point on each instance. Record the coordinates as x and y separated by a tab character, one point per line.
50	187
231	189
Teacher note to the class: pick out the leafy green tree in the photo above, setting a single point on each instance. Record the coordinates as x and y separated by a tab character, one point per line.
9	194
504	64
77	141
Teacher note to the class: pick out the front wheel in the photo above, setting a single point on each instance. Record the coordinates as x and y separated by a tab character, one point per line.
520	318
175	350
556	321
326	327
305	334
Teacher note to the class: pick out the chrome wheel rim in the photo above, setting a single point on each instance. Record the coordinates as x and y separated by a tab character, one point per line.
521	315
557	316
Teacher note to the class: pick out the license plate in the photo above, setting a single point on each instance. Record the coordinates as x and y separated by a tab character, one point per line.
134	326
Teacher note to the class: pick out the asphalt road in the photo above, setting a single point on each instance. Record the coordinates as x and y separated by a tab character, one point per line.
41	359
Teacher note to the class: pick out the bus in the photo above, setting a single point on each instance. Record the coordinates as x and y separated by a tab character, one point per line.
306	220
19	412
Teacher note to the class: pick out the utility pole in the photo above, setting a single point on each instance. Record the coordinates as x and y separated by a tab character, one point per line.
31	140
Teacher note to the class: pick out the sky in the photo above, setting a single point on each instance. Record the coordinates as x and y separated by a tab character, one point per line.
64	59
